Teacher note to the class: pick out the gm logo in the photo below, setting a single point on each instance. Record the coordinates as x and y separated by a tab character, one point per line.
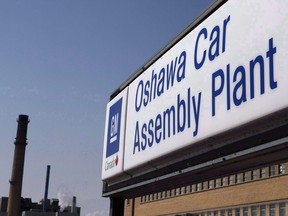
113	134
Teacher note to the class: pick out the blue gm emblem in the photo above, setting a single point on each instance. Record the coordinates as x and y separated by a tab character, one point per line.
113	135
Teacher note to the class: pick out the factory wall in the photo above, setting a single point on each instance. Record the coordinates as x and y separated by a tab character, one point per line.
258	189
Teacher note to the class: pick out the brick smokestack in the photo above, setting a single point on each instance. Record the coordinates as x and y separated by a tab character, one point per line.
14	202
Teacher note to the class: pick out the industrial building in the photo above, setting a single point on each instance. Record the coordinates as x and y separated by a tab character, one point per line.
202	128
15	204
29	208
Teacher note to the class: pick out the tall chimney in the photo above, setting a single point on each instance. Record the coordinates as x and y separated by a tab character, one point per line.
46	189
14	202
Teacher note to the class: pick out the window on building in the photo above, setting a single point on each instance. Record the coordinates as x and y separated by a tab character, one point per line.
272	170
223	181
209	213
204	185
173	192
186	189
222	212
245	211
238	178
282	209
262	210
281	168
199	186
215	213
254	175
272	210
177	191
229	212
230	180
183	190
263	172
237	212
210	184
180	191
192	188
155	196
246	176
253	211
216	183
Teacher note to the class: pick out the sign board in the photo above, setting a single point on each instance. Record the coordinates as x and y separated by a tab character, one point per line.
230	70
114	136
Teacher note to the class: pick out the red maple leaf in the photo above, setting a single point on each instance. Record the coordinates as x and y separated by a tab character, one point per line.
116	160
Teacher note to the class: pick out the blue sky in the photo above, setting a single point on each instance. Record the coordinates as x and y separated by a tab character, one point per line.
59	63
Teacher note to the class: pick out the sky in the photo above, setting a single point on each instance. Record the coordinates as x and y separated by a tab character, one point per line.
60	60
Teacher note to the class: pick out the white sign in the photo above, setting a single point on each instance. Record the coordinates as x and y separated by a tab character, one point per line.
114	136
230	70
